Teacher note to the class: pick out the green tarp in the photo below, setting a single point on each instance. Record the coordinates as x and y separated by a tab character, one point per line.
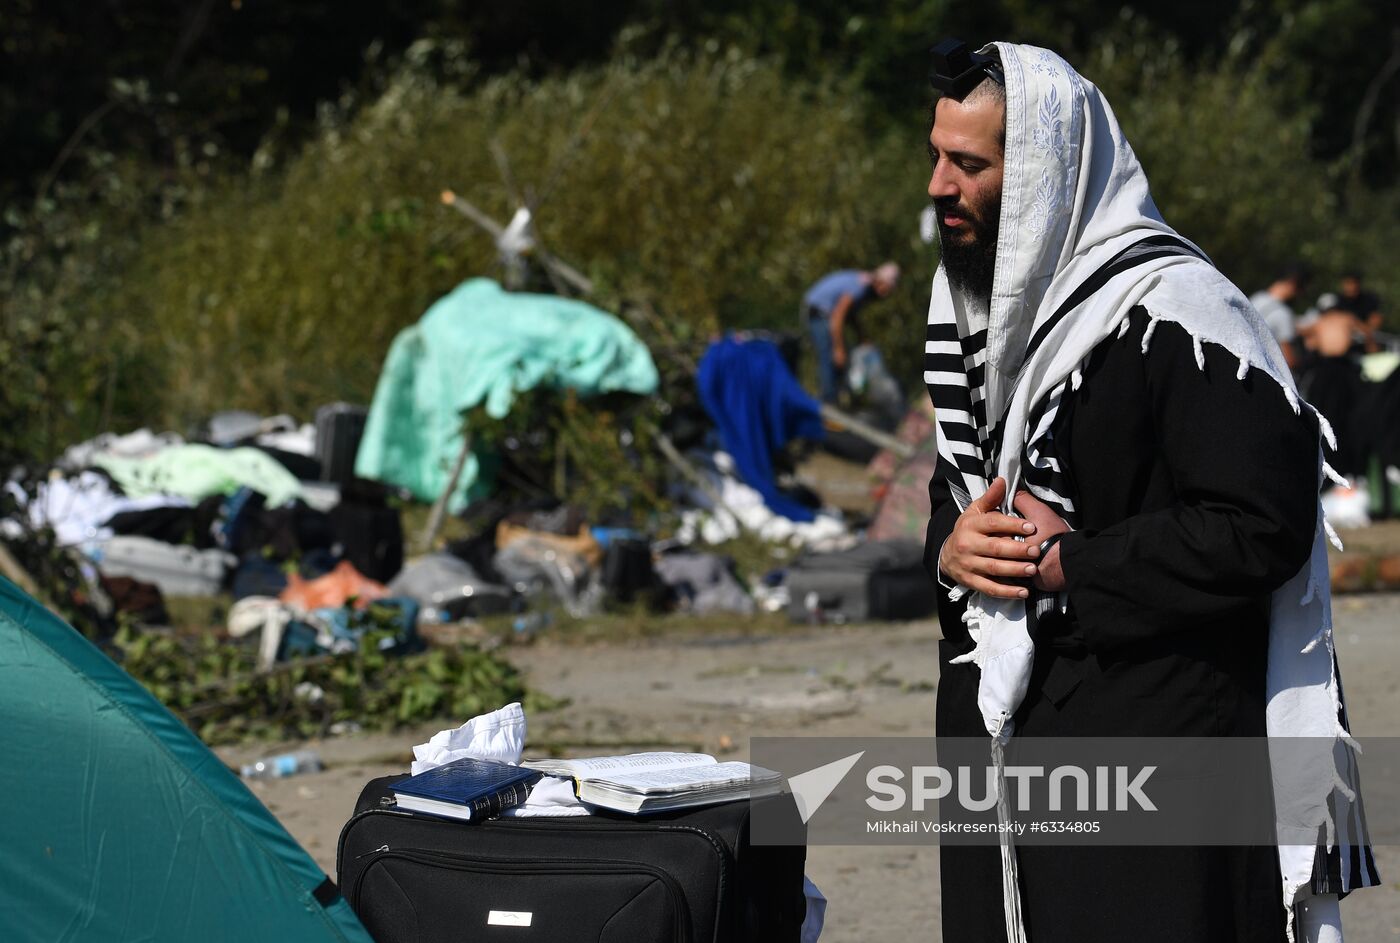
198	471
481	344
119	824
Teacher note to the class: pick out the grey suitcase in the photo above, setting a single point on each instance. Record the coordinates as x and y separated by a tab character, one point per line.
879	580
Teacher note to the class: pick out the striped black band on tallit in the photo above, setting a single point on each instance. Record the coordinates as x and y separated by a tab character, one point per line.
955	374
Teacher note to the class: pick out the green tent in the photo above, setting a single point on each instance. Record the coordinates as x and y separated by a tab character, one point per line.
119	824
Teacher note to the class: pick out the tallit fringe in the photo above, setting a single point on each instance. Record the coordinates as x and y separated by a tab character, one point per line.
1010	870
1325	428
1332	534
1147	334
1199	351
1334	477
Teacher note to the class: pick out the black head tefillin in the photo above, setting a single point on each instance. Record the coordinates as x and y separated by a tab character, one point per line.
957	70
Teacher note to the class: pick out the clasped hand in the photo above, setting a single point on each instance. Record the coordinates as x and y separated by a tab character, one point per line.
981	552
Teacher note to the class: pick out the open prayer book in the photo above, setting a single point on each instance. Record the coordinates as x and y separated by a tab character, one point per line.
656	782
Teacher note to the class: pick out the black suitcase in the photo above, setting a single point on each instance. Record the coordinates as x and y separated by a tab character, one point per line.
690	876
368	532
339	428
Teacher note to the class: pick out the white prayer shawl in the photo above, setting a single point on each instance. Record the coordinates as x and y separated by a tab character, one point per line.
1074	197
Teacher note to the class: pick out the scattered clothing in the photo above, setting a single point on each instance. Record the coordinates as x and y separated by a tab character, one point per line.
481	346
79	509
176	570
441	581
744	510
703	583
142	443
195	472
340	586
759	407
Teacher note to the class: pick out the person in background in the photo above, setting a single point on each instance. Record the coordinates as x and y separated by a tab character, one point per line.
1329	377
1364	304
1273	306
830	306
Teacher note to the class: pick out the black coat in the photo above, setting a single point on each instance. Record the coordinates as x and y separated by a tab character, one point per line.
1197	495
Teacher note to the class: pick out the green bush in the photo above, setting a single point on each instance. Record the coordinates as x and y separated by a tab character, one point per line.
214	686
712	188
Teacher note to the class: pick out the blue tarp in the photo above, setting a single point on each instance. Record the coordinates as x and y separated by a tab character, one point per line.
759	407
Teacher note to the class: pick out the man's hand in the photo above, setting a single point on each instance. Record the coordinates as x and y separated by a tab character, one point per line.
1050	577
838	356
980	548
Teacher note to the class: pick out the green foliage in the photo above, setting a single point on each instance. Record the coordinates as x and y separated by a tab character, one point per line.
1228	158
710	187
212	684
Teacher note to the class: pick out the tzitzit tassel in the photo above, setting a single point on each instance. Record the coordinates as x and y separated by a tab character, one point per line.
1332	534
1010	872
1200	353
1147	334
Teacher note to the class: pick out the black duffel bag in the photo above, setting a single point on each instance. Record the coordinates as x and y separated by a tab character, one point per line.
690	876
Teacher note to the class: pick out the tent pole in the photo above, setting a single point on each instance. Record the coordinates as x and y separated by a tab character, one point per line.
674	456
867	432
440	505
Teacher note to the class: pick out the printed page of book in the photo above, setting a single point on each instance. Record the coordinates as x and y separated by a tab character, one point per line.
593	766
681	779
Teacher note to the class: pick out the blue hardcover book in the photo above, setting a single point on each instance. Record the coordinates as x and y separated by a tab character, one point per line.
466	789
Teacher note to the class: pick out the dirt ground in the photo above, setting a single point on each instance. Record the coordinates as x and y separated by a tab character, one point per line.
715	693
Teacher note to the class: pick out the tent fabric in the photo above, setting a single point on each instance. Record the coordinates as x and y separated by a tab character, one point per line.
483	345
759	407
196	472
121	824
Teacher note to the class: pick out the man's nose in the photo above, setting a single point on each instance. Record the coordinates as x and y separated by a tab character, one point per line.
941	184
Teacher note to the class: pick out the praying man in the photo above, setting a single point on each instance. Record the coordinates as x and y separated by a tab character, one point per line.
1125	518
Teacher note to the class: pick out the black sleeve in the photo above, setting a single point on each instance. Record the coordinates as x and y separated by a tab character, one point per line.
1244	470
943	514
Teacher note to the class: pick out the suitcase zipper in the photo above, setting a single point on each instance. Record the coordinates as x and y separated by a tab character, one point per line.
680	924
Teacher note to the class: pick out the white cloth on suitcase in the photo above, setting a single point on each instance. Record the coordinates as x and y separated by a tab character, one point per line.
500	736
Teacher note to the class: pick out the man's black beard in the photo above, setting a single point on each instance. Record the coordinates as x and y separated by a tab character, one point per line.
971	265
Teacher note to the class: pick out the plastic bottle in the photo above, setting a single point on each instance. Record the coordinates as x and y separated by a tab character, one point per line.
285	764
530	624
